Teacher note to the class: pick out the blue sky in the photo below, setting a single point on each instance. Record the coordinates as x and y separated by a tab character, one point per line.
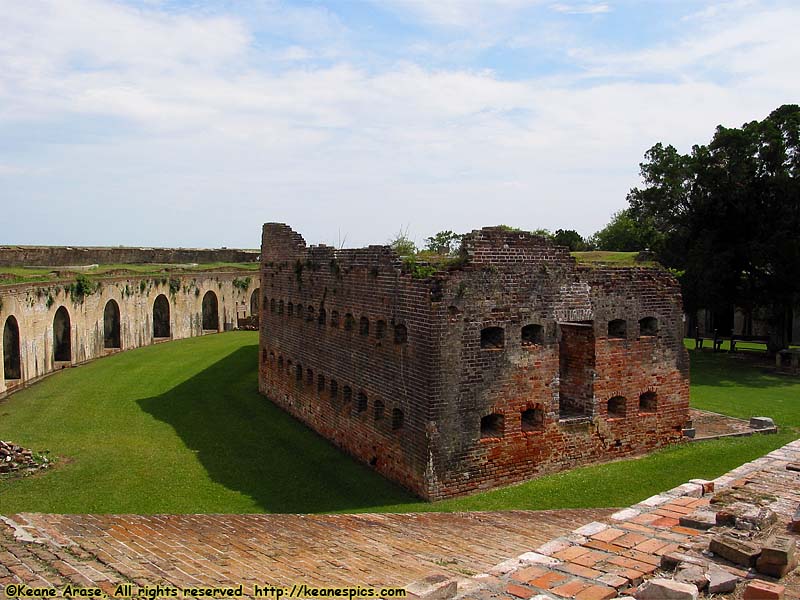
190	123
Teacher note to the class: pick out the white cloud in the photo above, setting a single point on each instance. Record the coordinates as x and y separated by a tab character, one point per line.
198	134
585	8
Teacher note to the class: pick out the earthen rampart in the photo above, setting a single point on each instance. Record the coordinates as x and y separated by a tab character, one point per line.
57	256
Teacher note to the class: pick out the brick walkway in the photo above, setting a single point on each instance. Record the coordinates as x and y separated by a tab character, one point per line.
603	560
586	555
193	550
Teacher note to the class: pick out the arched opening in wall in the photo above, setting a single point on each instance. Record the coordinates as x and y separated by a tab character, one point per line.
280	307
161	317
492	426
361	402
617	328
12	364
62	340
272	305
648	402
349	322
280	363
254	301
310	314
290	310
532	335
322	316
347	394
648	326
400	334
397	419
492	338
380	329
363	326
309	377
616	407
335	318
111	326
532	419
379	409
211	312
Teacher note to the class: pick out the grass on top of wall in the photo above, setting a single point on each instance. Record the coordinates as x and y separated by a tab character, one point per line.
181	428
17	275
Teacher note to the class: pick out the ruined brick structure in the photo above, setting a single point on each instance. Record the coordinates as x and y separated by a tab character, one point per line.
512	363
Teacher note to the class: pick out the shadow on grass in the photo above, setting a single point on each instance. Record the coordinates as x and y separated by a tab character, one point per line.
722	369
249	445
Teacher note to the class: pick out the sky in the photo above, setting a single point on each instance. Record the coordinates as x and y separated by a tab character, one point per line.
192	122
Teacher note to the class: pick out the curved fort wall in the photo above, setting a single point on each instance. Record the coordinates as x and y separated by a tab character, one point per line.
50	326
513	363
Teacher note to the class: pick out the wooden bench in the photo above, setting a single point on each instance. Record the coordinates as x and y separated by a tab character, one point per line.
717	340
753	339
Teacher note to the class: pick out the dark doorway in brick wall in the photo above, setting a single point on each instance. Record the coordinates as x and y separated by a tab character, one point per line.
12	365
254	301
576	352
397	419
62	339
210	312
161	317
111	326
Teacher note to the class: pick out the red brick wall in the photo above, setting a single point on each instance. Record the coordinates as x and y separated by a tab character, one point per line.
445	382
365	283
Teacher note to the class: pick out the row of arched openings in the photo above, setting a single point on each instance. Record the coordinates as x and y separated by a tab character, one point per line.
112	339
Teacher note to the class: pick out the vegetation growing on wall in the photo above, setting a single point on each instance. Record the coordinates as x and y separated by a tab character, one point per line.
81	287
242	284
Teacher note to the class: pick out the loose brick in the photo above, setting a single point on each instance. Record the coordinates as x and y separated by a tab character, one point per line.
736	551
763	590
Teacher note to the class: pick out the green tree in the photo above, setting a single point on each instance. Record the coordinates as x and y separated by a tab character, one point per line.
622	234
444	242
570	238
728	214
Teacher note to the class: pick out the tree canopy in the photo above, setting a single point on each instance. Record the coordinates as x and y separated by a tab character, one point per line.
728	215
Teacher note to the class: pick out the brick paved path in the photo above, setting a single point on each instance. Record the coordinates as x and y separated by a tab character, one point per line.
192	550
603	560
551	551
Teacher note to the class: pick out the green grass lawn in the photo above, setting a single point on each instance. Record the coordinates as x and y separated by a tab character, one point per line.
180	427
605	257
16	275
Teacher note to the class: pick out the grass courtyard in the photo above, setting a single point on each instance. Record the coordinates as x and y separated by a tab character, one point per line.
181	428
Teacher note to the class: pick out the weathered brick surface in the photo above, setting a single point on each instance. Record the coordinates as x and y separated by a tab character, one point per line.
593	555
393	369
338	550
